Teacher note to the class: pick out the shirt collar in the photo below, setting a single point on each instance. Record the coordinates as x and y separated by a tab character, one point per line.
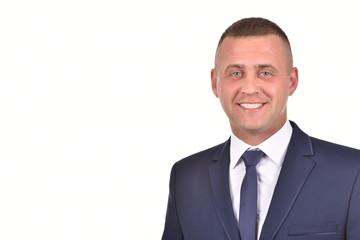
274	147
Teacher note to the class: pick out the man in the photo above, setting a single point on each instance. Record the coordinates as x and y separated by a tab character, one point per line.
269	180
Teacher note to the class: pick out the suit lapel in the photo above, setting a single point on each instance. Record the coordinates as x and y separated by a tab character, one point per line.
296	169
219	187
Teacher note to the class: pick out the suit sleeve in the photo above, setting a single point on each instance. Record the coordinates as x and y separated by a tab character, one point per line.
172	230
353	224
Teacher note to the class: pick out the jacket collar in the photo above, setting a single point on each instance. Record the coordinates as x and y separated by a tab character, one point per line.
295	171
219	187
296	168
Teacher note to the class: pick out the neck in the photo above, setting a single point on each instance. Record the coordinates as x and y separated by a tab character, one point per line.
252	139
255	138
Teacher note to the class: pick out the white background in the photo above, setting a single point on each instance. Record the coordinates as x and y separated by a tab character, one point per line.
99	98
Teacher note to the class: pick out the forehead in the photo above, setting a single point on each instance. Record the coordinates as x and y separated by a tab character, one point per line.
247	49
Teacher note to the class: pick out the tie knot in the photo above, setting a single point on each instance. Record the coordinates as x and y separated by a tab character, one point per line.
252	158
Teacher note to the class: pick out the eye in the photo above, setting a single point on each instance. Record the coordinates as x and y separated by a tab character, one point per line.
265	74
236	74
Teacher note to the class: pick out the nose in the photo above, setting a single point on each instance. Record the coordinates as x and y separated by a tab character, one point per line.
250	85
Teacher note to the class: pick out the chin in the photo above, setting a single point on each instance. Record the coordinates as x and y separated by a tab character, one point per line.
252	129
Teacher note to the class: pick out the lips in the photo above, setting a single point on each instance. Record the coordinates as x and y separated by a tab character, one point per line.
251	105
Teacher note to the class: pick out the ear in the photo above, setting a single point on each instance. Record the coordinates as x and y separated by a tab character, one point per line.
214	82
294	79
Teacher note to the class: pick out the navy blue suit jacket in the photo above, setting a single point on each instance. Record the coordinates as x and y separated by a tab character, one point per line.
317	196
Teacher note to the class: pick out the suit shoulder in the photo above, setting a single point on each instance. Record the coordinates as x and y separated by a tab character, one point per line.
329	146
202	157
336	151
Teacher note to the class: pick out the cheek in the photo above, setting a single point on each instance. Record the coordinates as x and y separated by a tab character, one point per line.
277	92
282	95
227	90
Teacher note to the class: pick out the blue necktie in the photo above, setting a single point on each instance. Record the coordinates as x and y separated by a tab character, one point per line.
248	198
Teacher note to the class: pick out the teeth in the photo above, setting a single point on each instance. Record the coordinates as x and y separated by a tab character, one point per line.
251	105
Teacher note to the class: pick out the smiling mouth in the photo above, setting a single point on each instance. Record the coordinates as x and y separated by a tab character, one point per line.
251	105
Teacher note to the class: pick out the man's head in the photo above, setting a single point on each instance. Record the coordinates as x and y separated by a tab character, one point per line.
255	27
253	77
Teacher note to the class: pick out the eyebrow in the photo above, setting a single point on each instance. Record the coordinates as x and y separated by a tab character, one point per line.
239	66
262	66
259	66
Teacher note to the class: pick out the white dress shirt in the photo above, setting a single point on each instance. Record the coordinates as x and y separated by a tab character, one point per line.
268	170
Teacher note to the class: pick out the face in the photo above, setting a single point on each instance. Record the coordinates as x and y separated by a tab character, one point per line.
253	79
